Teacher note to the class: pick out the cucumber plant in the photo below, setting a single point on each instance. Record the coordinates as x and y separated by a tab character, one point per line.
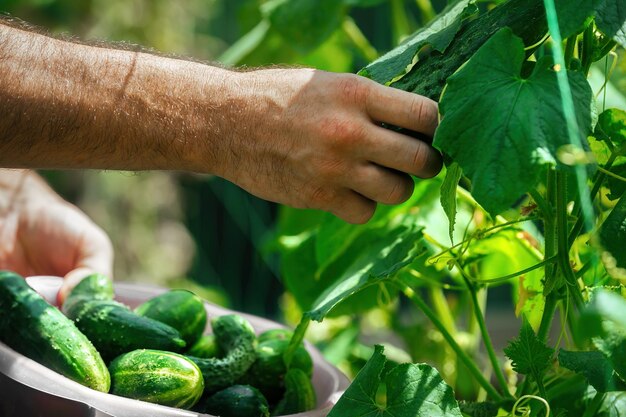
532	204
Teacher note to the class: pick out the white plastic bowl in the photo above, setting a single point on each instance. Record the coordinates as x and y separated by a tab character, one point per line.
30	389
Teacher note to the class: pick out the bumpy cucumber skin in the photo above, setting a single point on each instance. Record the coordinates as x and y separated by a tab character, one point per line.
114	329
235	337
267	373
299	394
92	287
181	309
205	347
158	377
526	18
237	401
41	332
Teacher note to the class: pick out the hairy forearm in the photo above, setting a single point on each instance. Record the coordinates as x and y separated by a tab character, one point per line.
69	105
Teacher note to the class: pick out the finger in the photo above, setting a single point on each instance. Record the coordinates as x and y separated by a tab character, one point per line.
400	108
70	280
352	207
402	153
95	255
381	184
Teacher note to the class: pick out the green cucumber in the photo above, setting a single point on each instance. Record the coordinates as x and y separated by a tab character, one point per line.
205	347
236	401
237	340
158	377
181	309
41	332
114	329
299	394
283	334
526	18
267	373
92	287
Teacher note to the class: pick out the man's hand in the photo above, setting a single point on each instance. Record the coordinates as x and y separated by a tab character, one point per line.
300	137
41	234
313	139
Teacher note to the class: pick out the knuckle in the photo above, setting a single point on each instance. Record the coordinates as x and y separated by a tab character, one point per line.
353	89
420	156
425	110
343	133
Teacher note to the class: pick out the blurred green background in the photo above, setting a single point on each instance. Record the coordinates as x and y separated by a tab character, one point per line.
177	229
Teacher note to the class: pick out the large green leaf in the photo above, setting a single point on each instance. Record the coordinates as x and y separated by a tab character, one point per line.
503	128
573	14
595	367
613	238
612	127
393	250
437	34
413	390
305	23
611	19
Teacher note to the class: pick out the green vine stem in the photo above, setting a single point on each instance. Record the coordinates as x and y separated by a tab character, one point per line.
570	46
462	355
546	318
562	240
549	226
442	308
480	318
541	202
505	278
588	48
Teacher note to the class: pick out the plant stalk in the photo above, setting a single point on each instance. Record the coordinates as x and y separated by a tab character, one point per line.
562	240
549	226
547	317
587	52
570	46
462	355
480	318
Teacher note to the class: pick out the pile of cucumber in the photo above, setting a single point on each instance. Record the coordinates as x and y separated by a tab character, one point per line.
157	352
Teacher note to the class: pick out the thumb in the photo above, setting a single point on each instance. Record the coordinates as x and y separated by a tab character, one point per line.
95	255
70	280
